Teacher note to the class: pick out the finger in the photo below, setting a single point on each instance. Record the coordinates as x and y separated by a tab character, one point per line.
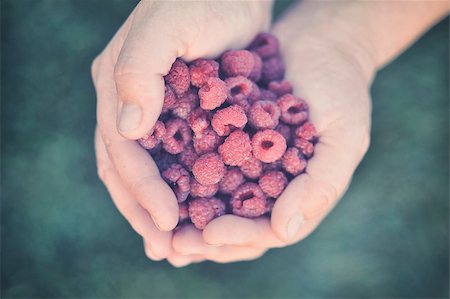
178	260
149	253
188	241
134	165
159	242
229	254
314	193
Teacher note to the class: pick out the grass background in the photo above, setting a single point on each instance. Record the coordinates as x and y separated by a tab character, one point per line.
61	235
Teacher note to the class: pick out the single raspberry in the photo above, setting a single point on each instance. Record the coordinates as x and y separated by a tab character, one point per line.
163	159
183	211
294	110
272	183
265	45
305	147
255	94
232	179
306	131
236	148
226	118
264	115
188	157
199	190
239	89
206	141
268	145
248	200
208	169
201	70
185	104
178	135
203	210
251	168
179	180
169	99
178	77
198	120
213	93
241	63
285	131
293	161
280	88
273	69
154	137
267	95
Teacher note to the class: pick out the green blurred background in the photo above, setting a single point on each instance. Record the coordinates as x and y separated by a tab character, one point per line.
63	237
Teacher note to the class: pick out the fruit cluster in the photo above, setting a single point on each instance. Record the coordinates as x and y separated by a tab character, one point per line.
231	135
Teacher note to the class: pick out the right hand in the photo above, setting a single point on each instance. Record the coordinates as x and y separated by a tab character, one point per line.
128	78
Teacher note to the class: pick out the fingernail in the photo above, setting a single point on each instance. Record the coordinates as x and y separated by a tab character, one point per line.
294	225
129	117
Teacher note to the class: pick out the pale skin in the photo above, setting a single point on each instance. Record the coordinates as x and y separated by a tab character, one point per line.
333	50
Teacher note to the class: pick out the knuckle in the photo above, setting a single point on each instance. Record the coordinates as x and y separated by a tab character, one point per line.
124	69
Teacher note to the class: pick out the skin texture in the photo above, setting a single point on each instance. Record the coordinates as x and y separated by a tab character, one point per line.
331	65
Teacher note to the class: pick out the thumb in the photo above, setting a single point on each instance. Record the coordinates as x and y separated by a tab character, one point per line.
146	56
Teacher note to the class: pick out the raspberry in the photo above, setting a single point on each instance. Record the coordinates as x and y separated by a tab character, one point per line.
294	110
201	70
154	137
185	104
248	200
169	99
239	89
293	161
213	93
183	211
280	88
265	45
267	95
241	63
264	115
179	180
198	120
285	131
273	69
306	131
255	94
188	157
177	136
203	210
268	145
199	190
224	119
236	148
305	147
251	168
178	77
272	183
208	169
232	179
206	141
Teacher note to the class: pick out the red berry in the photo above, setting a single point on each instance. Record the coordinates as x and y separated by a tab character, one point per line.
272	183
213	93
179	180
236	148
226	118
239	89
232	179
251	168
285	131
178	77
306	131
188	157
183	211
203	210
280	88
294	110
305	147
264	115
241	63
201	70
178	135
209	169
206	141
268	145
293	161
267	95
169	99
255	94
154	137
199	190
256	72
185	104
198	120
273	69
248	200
265	45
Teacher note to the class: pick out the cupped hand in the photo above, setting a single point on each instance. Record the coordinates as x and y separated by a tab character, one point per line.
333	76
128	78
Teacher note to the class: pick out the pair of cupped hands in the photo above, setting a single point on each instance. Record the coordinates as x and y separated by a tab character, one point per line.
128	78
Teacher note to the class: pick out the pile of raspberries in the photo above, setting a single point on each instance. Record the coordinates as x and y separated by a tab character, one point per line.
231	135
